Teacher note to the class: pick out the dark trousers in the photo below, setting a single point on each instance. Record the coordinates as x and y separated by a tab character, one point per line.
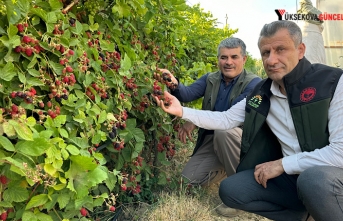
279	201
318	190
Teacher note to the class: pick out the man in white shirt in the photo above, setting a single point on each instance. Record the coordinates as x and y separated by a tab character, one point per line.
292	142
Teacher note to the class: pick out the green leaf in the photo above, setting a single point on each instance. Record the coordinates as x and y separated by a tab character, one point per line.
80	142
125	64
78	28
37	201
102	117
36	147
138	134
122	9
15	194
161	156
29	216
73	150
43	217
33	72
46	134
31	121
5	204
23	5
56	67
126	153
7	72
41	13
63	200
22	130
94	27
8	129
55	5
33	81
49	169
96	176
2	31
96	139
33	61
64	42
111	181
22	78
83	162
6	144
162	179
63	132
13	12
105	46
12	31
60	120
35	20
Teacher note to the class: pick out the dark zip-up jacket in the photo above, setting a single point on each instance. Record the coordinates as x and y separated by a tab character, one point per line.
310	89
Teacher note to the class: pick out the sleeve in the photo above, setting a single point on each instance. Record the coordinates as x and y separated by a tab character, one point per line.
247	90
215	120
192	92
330	155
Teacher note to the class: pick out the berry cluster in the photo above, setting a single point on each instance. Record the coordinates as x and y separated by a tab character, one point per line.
164	144
144	103
98	87
21	26
29	45
27	96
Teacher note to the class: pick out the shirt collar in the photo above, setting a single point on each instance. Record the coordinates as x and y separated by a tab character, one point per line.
233	81
275	89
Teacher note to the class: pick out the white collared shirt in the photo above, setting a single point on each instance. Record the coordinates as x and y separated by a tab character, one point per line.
280	121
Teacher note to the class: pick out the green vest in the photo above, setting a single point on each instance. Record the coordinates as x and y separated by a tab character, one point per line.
310	89
212	87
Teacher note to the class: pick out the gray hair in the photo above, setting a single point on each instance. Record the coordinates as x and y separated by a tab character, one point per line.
270	29
232	43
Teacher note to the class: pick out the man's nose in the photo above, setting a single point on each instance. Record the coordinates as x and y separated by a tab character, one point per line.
229	61
272	58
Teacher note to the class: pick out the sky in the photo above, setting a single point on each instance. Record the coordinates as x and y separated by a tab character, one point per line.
248	16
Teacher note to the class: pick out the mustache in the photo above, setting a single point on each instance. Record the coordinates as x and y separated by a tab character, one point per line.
229	66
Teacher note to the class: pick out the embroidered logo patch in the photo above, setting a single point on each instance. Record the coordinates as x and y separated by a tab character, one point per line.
307	94
255	101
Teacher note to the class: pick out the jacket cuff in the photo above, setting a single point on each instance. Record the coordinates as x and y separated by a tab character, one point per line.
290	164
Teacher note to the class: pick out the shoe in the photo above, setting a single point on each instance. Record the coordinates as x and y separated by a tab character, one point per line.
310	218
227	211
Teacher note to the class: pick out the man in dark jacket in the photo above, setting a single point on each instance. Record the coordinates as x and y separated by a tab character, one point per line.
216	154
292	144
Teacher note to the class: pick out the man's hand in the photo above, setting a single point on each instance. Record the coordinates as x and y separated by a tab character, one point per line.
186	131
169	104
167	78
265	171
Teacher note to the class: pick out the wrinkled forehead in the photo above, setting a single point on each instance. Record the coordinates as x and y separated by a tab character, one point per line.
281	34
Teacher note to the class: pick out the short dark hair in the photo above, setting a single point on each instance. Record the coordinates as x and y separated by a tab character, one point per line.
232	43
270	29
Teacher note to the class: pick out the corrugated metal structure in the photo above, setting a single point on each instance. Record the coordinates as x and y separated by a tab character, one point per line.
333	30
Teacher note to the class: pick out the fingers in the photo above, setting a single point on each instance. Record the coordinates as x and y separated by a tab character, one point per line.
182	136
261	175
189	135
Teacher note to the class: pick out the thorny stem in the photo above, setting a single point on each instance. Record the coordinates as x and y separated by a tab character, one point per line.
66	9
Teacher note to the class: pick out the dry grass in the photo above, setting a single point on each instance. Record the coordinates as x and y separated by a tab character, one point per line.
182	206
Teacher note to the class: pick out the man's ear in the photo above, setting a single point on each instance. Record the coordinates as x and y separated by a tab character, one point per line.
301	50
245	59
